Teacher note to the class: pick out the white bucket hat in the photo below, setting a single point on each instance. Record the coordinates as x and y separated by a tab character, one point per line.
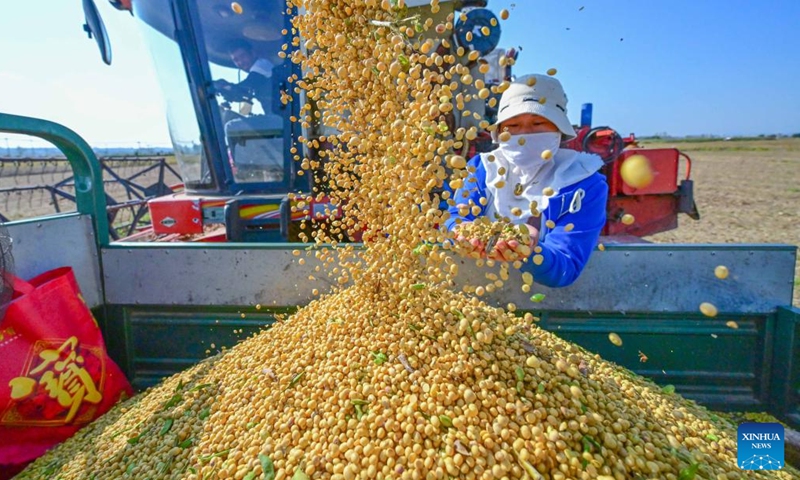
540	95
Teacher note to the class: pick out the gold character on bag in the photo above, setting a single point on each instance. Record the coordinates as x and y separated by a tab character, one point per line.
62	374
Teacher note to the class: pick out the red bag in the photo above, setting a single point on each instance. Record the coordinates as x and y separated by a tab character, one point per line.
55	374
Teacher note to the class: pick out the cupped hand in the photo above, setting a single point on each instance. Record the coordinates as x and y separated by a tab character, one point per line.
512	250
470	247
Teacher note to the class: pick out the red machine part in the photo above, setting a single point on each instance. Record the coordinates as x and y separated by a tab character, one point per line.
655	207
121	4
176	213
602	141
251	218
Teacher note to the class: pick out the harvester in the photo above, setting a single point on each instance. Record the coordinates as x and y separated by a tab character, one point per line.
161	305
234	141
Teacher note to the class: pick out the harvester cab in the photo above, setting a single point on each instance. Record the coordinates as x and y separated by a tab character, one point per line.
229	107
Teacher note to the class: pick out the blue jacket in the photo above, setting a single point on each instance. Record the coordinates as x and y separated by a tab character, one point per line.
565	253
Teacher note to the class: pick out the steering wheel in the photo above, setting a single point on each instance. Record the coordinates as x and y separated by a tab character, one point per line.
231	92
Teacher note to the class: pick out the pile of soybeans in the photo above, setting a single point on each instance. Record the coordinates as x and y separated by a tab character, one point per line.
395	374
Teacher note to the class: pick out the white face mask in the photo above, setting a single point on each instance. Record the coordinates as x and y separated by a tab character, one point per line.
529	155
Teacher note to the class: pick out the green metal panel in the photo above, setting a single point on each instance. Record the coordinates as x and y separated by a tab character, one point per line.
785	387
706	360
153	342
89	193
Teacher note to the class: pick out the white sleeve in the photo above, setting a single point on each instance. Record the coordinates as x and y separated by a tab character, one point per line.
262	67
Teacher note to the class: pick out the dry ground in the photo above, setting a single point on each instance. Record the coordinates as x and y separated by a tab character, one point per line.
40	173
746	191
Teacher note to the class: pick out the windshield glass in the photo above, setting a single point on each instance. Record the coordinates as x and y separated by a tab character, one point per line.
242	42
181	116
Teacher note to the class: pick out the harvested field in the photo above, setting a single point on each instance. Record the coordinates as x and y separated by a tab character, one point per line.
35	187
747	192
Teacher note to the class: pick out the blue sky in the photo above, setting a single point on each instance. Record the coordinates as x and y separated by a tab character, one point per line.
683	67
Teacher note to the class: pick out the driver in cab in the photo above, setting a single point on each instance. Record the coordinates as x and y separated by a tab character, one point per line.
255	139
256	84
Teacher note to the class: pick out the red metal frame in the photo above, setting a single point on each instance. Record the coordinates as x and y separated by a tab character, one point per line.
176	213
655	207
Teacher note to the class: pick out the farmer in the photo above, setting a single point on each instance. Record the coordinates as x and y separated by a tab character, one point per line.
254	139
259	73
562	187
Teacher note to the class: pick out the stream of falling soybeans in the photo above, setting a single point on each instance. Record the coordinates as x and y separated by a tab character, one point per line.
395	374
